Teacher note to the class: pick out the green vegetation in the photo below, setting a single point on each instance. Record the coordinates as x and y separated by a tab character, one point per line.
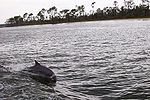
78	14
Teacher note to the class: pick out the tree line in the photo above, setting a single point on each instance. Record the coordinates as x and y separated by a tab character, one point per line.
77	14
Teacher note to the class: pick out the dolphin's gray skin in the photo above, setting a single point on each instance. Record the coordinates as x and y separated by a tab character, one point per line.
41	73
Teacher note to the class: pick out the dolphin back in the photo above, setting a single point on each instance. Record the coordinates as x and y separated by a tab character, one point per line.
41	73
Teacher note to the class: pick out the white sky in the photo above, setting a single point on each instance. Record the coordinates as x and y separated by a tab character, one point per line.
10	8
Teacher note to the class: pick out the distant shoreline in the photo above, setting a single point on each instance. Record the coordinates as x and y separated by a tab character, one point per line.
17	25
2	25
52	16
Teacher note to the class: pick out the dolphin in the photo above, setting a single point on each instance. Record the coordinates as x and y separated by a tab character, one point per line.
41	73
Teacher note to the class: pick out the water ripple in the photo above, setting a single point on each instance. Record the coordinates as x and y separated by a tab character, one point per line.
92	60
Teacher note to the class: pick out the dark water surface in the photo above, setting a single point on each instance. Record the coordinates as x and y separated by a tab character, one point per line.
92	60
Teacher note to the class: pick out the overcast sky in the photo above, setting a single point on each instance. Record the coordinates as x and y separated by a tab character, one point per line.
10	8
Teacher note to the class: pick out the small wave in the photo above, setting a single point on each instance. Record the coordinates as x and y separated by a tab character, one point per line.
60	55
1	87
135	60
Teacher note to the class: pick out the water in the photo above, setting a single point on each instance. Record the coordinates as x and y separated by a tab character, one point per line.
92	60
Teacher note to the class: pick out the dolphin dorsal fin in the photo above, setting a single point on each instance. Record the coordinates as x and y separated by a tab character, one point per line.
36	63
